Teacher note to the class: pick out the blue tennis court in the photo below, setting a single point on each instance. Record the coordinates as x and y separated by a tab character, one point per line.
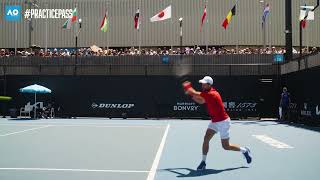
136	149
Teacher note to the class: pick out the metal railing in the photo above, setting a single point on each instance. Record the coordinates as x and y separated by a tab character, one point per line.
226	65
144	69
301	63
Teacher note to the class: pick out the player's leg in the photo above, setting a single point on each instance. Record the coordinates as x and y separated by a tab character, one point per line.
230	147
206	140
284	113
205	147
224	129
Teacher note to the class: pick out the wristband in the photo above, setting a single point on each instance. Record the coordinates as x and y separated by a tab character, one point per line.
187	86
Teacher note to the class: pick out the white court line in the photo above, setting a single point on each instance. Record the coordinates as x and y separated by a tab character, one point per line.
156	161
97	126
109	126
272	142
26	130
32	125
79	123
74	170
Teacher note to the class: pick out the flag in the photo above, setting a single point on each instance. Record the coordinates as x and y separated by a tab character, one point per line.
265	14
203	17
162	15
68	23
137	19
104	23
231	13
306	13
303	23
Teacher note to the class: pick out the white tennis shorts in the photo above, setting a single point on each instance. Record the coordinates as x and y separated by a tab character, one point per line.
222	127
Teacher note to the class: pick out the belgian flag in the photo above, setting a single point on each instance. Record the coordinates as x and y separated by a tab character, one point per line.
231	13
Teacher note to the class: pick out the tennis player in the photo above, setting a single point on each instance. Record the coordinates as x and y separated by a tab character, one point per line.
220	121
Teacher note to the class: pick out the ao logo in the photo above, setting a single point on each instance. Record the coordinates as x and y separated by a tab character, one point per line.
12	13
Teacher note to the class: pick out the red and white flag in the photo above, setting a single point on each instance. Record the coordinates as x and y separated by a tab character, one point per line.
162	15
137	19
203	17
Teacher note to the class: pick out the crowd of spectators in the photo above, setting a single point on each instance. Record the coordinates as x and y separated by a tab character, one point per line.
96	51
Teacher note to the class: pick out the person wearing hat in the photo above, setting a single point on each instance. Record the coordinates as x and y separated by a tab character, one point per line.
220	120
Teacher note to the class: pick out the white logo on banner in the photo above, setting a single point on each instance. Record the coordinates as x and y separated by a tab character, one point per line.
112	106
317	111
182	106
48	13
240	106
14	12
94	105
305	112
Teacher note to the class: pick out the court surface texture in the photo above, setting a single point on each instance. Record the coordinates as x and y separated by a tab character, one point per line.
137	149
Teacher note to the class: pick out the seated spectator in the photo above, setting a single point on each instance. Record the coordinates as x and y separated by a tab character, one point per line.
46	111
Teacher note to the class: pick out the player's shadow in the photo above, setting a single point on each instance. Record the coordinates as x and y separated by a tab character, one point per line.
182	172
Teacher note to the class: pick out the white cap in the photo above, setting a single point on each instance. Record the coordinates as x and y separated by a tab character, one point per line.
206	80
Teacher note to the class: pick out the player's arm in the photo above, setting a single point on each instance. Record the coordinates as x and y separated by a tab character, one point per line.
196	95
198	100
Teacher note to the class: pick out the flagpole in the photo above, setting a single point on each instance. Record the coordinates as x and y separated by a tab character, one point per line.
46	33
172	29
307	38
264	26
16	38
264	35
238	25
109	22
139	31
76	28
300	41
207	30
139	25
106	36
269	33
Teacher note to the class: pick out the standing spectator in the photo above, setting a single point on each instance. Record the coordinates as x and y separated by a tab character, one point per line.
284	104
2	52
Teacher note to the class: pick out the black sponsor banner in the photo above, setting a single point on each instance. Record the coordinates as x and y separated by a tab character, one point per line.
143	96
304	91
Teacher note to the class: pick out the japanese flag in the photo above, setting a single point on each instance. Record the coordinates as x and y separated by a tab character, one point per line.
162	15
